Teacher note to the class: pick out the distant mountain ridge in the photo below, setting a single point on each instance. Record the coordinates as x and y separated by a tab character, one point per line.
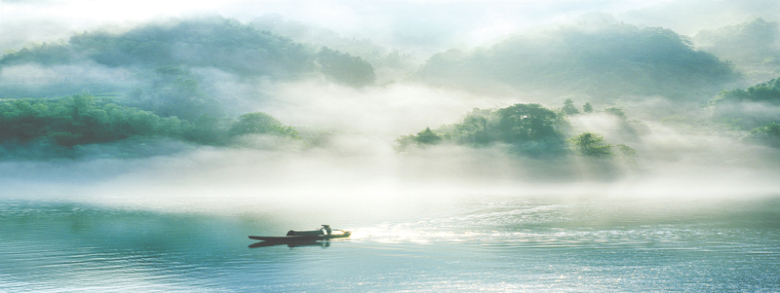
609	60
215	42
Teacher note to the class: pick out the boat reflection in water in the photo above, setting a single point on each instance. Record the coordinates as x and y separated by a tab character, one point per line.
318	237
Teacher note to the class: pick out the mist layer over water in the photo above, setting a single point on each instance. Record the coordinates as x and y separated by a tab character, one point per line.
457	222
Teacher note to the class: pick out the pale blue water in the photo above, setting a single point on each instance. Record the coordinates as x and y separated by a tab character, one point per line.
490	244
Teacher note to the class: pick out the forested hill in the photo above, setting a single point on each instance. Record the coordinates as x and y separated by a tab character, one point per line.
754	47
157	81
603	61
219	43
768	92
747	109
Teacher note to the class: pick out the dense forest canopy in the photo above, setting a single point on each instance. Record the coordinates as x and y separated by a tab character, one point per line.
83	119
529	128
610	60
768	92
80	119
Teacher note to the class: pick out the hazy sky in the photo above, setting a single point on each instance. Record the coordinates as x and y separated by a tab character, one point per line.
405	24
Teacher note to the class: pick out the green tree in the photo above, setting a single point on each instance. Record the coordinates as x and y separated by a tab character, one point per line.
427	136
569	108
260	123
529	129
207	129
476	128
423	138
344	68
768	92
524	122
81	104
587	108
175	92
768	134
590	144
739	108
78	120
615	111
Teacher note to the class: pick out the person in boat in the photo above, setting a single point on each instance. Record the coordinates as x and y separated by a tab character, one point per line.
324	231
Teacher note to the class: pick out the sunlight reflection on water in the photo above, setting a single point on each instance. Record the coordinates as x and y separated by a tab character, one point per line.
490	245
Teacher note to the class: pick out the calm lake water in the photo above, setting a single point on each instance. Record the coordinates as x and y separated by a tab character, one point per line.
481	243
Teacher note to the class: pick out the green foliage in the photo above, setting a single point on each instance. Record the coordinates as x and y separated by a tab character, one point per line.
768	92
207	129
587	108
55	124
175	92
79	119
476	129
427	137
421	139
526	122
375	54
768	134
591	145
569	108
260	123
607	61
214	42
626	150
44	54
344	68
771	129
170	49
749	108
615	111
529	129
206	42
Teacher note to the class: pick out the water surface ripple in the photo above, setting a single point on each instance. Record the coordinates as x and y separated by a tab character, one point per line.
487	244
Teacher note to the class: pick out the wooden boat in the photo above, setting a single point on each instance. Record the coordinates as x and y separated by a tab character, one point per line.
291	244
323	233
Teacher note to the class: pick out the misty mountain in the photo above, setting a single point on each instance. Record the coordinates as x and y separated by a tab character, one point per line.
218	43
376	55
212	42
754	47
602	60
691	16
195	80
